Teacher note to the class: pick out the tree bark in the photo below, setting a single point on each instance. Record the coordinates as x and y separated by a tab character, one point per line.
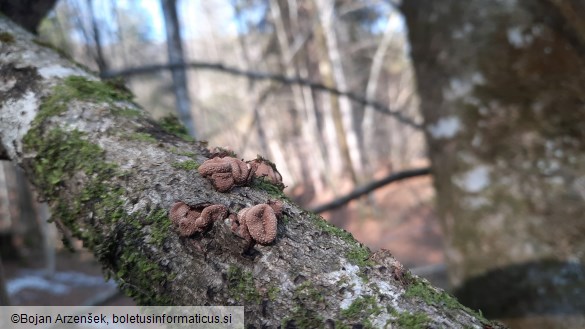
505	123
110	175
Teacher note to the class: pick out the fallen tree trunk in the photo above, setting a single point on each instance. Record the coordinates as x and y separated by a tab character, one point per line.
110	175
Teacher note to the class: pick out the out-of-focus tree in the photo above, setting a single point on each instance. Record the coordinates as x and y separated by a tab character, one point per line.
501	85
175	55
27	13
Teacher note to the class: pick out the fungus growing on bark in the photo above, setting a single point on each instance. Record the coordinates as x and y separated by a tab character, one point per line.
225	172
258	223
261	167
178	211
193	220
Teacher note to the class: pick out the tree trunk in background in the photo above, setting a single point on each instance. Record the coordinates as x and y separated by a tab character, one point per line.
501	87
325	10
27	13
95	31
303	98
368	121
333	108
175	51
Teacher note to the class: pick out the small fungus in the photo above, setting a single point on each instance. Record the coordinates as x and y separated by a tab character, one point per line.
258	223
225	172
178	211
263	168
192	220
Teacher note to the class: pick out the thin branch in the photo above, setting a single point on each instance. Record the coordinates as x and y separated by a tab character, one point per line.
365	189
252	75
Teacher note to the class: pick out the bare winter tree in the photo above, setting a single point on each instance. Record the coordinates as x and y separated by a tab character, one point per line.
110	175
175	51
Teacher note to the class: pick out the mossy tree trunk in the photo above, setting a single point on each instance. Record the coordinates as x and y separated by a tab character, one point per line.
501	85
110	175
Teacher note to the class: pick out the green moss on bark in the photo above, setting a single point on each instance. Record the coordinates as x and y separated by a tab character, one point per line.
306	314
6	37
412	320
241	285
360	311
186	165
144	137
84	193
420	288
78	88
172	125
358	254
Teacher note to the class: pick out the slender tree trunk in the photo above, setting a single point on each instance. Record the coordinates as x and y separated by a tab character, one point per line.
368	121
175	51
99	53
505	122
304	104
111	178
332	110
325	10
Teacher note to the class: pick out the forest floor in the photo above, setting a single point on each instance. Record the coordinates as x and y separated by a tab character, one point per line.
398	217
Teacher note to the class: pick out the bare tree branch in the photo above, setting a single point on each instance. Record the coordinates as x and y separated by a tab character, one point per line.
253	75
365	189
111	175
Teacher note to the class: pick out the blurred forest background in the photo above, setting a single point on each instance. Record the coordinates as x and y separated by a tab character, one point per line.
249	67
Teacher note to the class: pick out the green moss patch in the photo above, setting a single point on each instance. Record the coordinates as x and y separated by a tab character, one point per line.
358	254
422	289
361	310
306	314
172	125
186	165
273	190
144	137
183	153
6	37
66	160
126	112
77	88
412	320
142	273
241	285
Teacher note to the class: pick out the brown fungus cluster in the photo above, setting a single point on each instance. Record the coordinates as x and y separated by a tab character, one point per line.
262	168
258	223
225	172
191	220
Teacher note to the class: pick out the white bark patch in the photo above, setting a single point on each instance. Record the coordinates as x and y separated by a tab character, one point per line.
445	128
6	85
457	88
357	288
15	120
517	38
462	87
474	180
58	71
350	278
